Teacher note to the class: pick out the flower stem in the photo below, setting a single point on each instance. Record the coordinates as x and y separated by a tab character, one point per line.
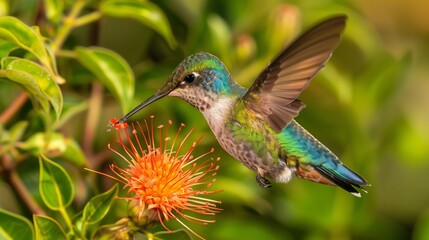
7	165
94	109
13	107
69	23
19	186
66	53
84	20
66	217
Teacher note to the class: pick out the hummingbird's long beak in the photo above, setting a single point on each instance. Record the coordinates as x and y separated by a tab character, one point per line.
158	95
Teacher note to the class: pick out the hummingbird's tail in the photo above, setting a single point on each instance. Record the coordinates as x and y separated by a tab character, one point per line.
333	173
315	162
342	176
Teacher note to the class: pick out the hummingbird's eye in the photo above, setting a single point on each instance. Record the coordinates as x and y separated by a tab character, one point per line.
190	78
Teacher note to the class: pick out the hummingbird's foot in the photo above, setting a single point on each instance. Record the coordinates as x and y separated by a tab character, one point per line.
263	182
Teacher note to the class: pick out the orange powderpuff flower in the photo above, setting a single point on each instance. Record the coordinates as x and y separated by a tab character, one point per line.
162	179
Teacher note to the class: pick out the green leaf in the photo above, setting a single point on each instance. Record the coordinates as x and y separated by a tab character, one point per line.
5	48
54	10
111	69
98	206
47	228
36	80
52	63
10	139
70	109
142	11
16	32
78	226
14	226
17	131
74	153
29	83
55	185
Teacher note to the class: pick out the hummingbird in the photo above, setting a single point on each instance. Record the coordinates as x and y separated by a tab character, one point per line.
256	125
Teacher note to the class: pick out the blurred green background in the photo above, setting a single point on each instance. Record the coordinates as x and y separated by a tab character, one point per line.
369	105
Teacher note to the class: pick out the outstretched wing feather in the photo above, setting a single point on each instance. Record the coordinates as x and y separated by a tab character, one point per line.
274	93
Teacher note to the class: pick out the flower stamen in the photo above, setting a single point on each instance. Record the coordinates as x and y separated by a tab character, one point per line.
161	178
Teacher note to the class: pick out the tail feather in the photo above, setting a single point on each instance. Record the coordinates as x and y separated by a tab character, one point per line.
343	177
313	161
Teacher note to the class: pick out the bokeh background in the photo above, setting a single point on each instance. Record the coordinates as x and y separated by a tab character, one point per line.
369	105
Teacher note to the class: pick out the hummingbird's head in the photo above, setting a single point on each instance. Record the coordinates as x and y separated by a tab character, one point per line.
199	80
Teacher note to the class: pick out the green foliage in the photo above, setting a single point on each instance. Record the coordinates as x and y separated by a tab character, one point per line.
35	71
36	81
98	206
111	69
69	66
55	185
54	10
14	226
143	11
6	48
16	32
15	133
48	228
54	145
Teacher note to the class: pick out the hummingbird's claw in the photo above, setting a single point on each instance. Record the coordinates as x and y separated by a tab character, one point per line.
263	182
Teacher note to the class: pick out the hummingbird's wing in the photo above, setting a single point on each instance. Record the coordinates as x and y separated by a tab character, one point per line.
274	93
